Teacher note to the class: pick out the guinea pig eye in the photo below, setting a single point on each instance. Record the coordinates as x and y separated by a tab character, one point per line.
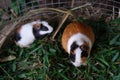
84	54
74	46
43	28
84	48
17	36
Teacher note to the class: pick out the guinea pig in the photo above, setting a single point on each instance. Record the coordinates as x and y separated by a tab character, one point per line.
77	41
27	33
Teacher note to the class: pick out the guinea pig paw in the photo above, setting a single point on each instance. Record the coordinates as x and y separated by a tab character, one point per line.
20	45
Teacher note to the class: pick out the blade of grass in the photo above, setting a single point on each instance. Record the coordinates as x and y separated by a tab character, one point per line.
21	52
7	74
114	40
32	52
63	76
115	57
103	61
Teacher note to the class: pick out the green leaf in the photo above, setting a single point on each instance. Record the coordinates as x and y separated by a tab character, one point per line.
52	50
116	21
101	78
114	40
32	52
117	77
94	68
103	61
14	67
63	76
115	57
21	52
23	75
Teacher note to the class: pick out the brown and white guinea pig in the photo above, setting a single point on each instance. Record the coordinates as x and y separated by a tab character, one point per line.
27	33
77	40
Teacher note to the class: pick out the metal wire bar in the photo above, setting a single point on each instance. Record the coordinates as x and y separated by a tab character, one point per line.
103	4
114	1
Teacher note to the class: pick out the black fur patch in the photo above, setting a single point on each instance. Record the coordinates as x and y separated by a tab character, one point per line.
84	54
17	36
36	33
43	28
72	57
73	46
72	54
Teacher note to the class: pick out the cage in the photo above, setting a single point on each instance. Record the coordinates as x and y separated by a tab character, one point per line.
18	12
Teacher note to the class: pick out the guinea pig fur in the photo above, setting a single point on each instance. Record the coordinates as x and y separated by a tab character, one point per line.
77	40
27	33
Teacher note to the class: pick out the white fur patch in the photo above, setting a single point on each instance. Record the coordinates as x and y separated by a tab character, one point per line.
119	13
78	61
26	33
79	40
35	22
50	29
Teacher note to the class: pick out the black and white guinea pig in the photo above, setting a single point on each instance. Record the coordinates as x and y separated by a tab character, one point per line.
27	33
77	40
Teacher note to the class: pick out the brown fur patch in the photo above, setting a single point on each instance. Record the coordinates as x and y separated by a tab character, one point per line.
83	60
18	29
37	26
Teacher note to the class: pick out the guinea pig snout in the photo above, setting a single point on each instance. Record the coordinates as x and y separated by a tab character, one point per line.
77	58
80	62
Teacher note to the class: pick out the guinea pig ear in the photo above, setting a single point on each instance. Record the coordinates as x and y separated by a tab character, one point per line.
37	26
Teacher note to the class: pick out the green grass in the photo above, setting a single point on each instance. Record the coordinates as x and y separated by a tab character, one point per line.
46	60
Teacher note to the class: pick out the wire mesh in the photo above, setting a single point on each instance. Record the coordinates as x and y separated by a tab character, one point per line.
99	7
105	7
